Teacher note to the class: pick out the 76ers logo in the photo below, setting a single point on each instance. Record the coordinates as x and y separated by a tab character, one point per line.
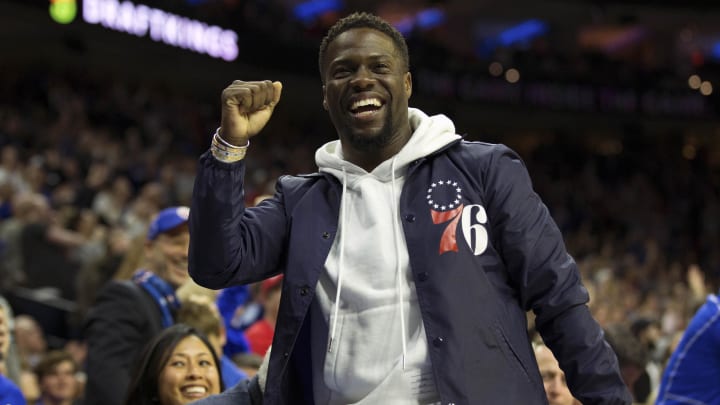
445	200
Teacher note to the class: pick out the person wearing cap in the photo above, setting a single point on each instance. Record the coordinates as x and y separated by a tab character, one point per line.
129	313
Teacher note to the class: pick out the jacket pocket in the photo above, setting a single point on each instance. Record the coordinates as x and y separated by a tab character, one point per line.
513	358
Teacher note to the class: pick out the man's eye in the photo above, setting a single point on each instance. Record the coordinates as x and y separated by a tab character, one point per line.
341	72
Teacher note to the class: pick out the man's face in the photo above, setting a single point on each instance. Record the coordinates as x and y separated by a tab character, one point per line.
60	384
367	87
167	256
29	335
553	377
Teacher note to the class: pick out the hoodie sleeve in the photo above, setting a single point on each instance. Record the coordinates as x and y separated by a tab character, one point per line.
548	281
230	244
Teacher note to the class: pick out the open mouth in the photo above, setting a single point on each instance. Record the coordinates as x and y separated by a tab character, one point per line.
366	107
194	391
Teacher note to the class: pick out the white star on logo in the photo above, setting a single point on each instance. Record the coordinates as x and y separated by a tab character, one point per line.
437	192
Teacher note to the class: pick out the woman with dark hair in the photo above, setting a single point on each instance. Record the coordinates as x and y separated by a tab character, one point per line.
177	367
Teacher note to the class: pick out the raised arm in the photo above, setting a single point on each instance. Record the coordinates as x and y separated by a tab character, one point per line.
230	245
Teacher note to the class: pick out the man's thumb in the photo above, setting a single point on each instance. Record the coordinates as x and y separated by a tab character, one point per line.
276	94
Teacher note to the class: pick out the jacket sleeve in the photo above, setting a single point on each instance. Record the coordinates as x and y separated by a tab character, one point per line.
548	281
230	244
116	330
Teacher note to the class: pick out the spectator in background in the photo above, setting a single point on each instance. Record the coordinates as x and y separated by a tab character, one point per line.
553	378
238	310
631	355
202	314
647	332
10	393
260	334
32	346
22	208
46	247
177	367
57	377
127	314
692	375
31	342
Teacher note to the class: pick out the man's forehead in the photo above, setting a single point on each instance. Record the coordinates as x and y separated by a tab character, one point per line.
371	36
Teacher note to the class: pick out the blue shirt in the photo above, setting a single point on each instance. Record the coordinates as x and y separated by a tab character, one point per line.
10	394
231	373
692	375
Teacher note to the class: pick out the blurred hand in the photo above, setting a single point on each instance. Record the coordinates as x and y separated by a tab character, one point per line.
246	109
696	281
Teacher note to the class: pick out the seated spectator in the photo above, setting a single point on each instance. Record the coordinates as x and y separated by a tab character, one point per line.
553	378
202	314
177	367
56	375
260	333
127	314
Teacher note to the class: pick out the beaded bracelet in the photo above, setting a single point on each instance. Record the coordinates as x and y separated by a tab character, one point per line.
226	152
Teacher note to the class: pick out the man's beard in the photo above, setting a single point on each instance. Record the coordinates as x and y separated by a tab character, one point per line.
373	143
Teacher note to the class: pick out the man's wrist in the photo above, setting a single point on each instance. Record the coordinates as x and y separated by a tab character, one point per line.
226	152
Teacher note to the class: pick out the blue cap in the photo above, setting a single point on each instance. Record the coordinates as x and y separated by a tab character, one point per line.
168	219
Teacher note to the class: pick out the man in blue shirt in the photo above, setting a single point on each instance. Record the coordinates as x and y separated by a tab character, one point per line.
692	375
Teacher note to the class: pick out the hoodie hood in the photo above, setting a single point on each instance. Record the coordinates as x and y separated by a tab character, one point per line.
429	135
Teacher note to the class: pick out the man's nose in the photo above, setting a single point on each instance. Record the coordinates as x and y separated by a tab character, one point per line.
363	78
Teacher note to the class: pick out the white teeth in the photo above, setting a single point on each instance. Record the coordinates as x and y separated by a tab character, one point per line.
367	101
195	390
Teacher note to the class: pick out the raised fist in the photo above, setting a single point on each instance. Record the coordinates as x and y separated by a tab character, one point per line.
246	109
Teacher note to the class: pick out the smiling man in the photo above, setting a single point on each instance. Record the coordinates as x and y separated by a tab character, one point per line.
409	259
128	314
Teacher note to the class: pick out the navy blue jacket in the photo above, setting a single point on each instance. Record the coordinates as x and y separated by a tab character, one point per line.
477	270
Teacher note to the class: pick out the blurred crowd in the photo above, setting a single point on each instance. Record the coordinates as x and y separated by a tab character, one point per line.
86	163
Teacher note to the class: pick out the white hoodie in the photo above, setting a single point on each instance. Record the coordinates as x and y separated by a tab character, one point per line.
366	306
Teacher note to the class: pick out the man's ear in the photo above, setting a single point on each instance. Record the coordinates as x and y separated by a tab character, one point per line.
408	84
325	103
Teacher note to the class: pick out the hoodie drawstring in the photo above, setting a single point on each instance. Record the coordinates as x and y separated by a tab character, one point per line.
398	267
341	262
